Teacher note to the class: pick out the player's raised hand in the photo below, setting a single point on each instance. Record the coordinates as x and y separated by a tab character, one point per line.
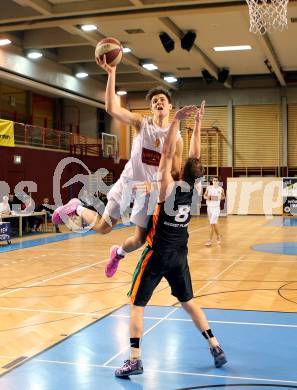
200	111
184	112
104	65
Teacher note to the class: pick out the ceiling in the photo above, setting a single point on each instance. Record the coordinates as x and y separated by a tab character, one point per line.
54	27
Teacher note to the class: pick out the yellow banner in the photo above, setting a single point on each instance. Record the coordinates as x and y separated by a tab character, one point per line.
6	133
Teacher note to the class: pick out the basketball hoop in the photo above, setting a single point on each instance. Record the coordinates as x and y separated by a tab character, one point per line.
268	15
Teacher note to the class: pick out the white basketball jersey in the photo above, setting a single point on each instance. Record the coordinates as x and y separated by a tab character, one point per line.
214	191
146	152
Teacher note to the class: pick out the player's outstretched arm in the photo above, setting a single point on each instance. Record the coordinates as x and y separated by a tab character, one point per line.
169	149
195	145
112	104
177	158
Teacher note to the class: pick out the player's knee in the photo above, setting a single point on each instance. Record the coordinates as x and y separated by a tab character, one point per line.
140	241
189	306
102	228
105	229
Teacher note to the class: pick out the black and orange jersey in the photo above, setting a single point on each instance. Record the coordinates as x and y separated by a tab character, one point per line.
168	226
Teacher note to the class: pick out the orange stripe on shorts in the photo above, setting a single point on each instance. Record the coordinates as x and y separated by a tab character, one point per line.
138	279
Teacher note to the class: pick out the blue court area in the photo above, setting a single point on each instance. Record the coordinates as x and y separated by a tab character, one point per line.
283	248
280	221
260	347
28	243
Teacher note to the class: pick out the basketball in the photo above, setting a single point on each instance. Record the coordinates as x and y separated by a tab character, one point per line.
112	49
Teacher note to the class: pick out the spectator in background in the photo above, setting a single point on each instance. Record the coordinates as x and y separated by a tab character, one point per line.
15	203
11	200
46	207
4	206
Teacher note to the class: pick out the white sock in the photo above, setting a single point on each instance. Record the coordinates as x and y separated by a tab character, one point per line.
121	252
79	210
135	353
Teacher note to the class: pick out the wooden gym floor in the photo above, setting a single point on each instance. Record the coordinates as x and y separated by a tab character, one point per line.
50	291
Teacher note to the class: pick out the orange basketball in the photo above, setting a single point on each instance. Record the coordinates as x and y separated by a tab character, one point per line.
112	49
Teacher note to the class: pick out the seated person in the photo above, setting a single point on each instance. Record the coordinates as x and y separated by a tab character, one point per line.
10	200
45	207
15	206
4	206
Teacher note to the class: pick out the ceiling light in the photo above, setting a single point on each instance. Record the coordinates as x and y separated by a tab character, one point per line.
232	48
4	42
149	66
122	93
81	75
34	55
170	79
126	50
88	27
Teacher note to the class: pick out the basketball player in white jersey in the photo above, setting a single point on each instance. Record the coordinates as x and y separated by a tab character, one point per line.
213	195
139	172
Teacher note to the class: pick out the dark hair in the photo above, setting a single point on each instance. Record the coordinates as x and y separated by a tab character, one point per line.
157	91
193	169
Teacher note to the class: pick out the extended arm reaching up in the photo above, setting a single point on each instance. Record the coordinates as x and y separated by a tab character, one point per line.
165	166
112	105
195	145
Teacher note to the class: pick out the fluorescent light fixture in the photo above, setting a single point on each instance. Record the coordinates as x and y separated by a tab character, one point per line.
170	79
232	48
149	66
34	55
88	27
4	42
81	75
122	93
126	50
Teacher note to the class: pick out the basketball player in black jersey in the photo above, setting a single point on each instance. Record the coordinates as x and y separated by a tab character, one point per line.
166	251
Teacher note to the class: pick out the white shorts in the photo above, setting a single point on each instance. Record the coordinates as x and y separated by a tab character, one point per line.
119	199
213	214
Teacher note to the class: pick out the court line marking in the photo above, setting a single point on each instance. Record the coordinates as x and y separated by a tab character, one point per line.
215	278
51	311
150	318
53	278
170	372
213	321
146	332
172	311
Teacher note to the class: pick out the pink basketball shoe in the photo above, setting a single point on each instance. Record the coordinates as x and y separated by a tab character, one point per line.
66	211
113	262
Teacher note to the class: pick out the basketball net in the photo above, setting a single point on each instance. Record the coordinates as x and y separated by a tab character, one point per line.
268	15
